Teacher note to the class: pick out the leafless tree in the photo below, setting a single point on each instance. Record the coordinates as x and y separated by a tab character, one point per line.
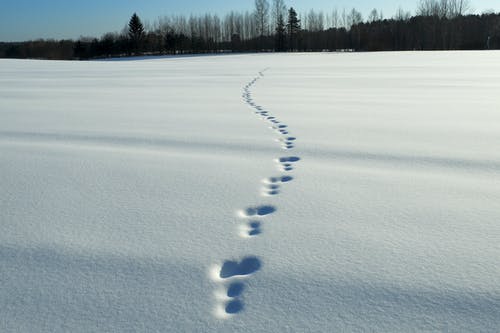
354	17
374	15
278	11
262	17
334	19
402	15
314	21
428	8
459	7
443	8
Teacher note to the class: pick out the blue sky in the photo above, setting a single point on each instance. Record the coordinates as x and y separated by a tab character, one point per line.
31	19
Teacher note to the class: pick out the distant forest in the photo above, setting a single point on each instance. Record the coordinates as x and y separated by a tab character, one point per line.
272	27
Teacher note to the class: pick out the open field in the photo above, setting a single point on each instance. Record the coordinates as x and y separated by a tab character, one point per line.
255	193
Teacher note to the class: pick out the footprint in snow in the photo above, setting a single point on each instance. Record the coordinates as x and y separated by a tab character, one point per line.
286	163
288	142
272	185
247	266
229	300
233	307
272	120
279	127
251	229
283	131
270	189
235	289
291	159
232	272
258	211
275	180
230	303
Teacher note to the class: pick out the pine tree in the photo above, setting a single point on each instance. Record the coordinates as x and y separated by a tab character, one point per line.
135	32
293	28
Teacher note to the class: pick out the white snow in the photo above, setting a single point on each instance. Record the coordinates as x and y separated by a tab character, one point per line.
149	196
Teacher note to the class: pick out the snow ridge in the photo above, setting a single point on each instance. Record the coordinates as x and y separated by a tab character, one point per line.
231	274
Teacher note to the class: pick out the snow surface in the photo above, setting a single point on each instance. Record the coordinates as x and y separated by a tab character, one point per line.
153	196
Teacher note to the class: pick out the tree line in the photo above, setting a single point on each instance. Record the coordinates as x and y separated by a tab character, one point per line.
273	27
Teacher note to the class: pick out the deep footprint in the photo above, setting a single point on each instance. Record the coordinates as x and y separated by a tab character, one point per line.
247	266
252	229
234	307
271	189
288	142
286	163
283	179
291	159
259	211
235	289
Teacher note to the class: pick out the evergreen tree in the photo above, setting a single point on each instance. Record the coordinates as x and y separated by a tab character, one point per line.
135	32
293	28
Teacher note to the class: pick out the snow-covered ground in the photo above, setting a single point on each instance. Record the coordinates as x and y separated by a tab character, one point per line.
149	195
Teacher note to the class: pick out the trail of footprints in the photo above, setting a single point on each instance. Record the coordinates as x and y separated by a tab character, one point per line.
230	276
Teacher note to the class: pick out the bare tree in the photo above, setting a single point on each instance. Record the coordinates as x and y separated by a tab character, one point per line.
428	8
262	17
229	26
402	15
314	21
278	11
443	8
343	20
373	16
459	7
320	21
354	17
334	18
250	26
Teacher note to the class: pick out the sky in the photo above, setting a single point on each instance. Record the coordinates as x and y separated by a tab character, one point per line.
31	19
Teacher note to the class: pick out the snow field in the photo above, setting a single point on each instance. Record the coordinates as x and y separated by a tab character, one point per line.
345	192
